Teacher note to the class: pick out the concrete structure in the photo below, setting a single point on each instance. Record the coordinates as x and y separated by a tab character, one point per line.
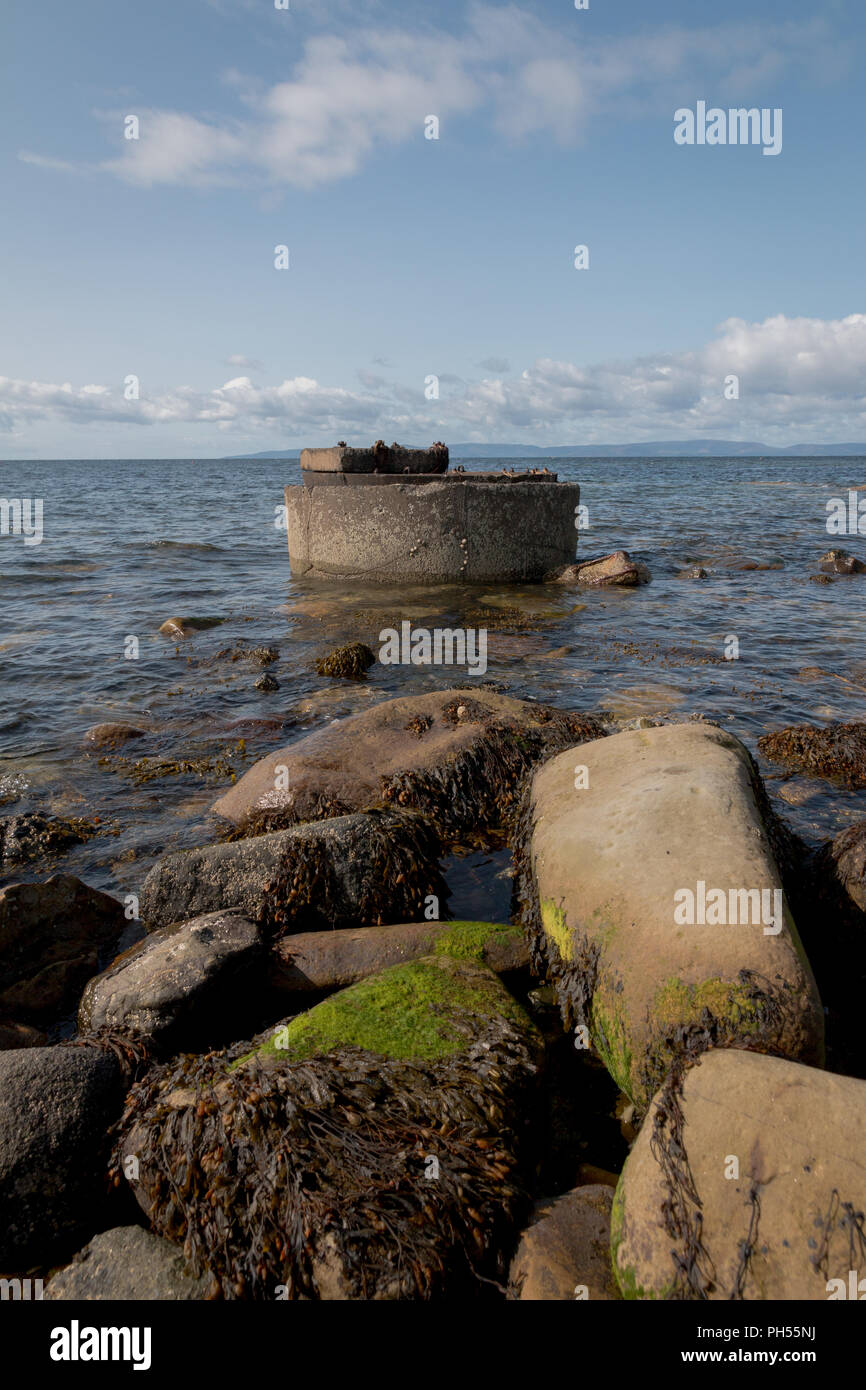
348	521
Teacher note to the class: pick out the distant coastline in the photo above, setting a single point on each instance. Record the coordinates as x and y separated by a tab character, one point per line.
685	448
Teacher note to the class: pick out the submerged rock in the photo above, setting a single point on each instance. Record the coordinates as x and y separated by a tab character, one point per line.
175	984
693	572
52	935
345	872
843	862
318	961
616	569
33	835
565	1253
180	628
370	1148
836	751
457	755
351	662
841	562
128	1264
56	1105
267	682
111	735
657	906
746	1182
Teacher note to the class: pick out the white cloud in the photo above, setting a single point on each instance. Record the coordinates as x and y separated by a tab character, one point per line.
353	94
799	379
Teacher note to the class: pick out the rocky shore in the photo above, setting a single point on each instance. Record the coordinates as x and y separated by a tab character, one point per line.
305	1082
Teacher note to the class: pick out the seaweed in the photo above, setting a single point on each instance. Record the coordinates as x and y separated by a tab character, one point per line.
839	751
312	1179
351	662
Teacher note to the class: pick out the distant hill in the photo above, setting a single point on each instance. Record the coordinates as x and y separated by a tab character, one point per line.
665	448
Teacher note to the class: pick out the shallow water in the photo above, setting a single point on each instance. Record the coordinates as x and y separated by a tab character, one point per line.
129	544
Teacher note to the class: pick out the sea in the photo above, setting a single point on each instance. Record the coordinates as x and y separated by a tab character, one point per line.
128	544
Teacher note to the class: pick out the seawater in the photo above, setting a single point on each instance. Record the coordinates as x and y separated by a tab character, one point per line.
130	543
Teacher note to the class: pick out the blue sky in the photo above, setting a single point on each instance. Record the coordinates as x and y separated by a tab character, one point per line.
410	257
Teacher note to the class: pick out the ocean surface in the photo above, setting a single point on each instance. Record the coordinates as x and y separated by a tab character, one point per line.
129	544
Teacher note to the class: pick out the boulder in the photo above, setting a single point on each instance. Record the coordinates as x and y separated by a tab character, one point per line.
14	1035
458	755
349	663
313	962
53	937
344	872
841	562
128	1264
616	569
178	983
565	1253
657	905
56	1105
180	628
407	1096
837	751
746	1182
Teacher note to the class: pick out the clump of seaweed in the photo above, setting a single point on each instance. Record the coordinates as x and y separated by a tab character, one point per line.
839	751
34	835
480	786
419	725
351	662
395	872
260	656
220	767
347	1175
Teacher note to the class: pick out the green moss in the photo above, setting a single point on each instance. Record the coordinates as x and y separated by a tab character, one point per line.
676	1002
469	940
556	927
610	1034
624	1274
407	1011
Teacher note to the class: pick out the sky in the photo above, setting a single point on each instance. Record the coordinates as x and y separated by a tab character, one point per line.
431	290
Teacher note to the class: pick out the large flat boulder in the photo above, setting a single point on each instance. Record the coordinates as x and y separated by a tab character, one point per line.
128	1264
369	1148
457	754
565	1253
746	1182
176	984
345	872
53	937
56	1106
658	907
313	962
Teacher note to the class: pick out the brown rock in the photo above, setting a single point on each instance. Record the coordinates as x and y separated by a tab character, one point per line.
460	767
15	1035
618	568
311	962
565	1253
840	562
745	1185
111	735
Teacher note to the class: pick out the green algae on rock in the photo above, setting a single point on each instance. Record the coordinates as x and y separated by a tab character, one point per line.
311	962
602	865
331	1170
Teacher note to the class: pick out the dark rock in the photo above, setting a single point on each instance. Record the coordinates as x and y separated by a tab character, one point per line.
15	1035
841	562
174	985
33	835
844	861
693	572
565	1253
180	628
259	656
345	872
56	1105
267	683
52	937
128	1264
